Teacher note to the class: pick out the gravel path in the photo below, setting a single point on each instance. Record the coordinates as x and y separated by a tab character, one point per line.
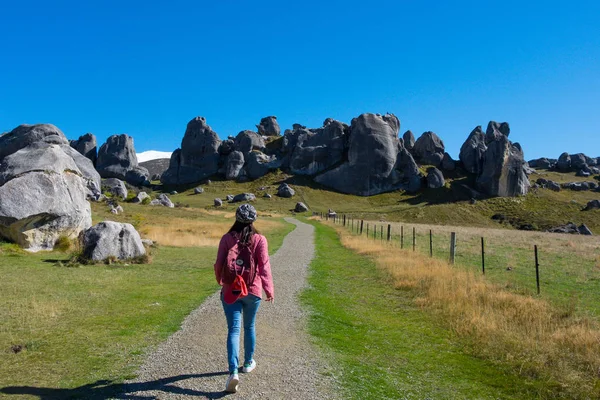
193	361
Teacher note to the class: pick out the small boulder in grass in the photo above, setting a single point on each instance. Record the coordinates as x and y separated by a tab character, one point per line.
243	197
111	239
198	190
162	200
592	205
218	202
174	192
229	197
300	207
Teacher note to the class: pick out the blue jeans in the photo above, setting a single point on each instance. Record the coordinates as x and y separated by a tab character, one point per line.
248	306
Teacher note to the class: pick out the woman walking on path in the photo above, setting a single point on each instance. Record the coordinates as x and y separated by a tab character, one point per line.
243	252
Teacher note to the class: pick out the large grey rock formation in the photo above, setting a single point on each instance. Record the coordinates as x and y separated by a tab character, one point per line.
318	149
284	190
372	158
435	178
156	167
235	163
472	151
429	149
578	161
110	239
409	140
269	126
544	163
86	145
42	195
503	171
495	131
116	187
564	162
117	159
247	141
198	157
258	165
448	164
24	135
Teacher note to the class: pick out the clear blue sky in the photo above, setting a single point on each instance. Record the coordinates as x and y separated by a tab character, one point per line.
147	68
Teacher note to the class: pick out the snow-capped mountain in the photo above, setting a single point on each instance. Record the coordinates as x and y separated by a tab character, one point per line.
152	155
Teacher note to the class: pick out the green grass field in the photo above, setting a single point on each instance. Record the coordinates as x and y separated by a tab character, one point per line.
386	347
67	327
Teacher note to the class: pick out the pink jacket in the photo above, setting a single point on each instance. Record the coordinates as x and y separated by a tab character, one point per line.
260	249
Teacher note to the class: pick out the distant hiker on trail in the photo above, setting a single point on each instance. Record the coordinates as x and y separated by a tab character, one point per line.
244	270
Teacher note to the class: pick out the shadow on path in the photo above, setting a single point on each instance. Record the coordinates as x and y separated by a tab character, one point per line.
106	389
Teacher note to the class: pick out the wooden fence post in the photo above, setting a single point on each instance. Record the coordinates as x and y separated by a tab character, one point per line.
452	247
389	237
367	230
430	243
344	219
482	256
414	239
401	236
382	233
362	222
537	269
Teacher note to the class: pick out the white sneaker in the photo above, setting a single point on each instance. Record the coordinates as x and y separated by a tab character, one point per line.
249	367
232	383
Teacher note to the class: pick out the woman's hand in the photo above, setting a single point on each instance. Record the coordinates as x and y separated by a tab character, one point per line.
270	299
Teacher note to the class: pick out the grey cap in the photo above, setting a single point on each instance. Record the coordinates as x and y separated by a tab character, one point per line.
246	214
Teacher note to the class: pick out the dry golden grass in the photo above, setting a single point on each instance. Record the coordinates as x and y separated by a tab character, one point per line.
180	232
526	332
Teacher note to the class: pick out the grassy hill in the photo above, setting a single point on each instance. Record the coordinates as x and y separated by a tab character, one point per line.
450	205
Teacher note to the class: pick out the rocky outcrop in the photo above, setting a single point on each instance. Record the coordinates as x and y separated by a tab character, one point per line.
372	158
592	205
117	159
448	164
42	193
300	207
269	126
162	200
495	131
156	167
409	140
435	178
116	187
198	157
548	184
284	190
243	197
473	150
316	150
542	163
112	240
25	135
259	164
86	145
578	162
429	149
248	141
503	171
571	228
235	164
564	162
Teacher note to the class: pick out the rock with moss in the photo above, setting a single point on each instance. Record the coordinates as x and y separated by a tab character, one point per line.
110	239
435	178
140	197
115	187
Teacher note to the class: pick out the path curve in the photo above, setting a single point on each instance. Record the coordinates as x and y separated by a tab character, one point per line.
193	361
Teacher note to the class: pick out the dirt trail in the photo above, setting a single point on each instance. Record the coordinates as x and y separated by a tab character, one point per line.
193	361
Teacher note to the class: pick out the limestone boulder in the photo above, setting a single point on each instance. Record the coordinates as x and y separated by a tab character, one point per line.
25	135
435	178
198	158
592	205
87	146
110	239
116	187
218	202
198	190
117	159
243	197
235	163
495	131
42	197
503	171
284	190
448	164
248	141
269	126
300	207
409	140
156	167
259	164
473	150
429	149
319	149
140	197
578	161
162	200
372	154
541	163
564	162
